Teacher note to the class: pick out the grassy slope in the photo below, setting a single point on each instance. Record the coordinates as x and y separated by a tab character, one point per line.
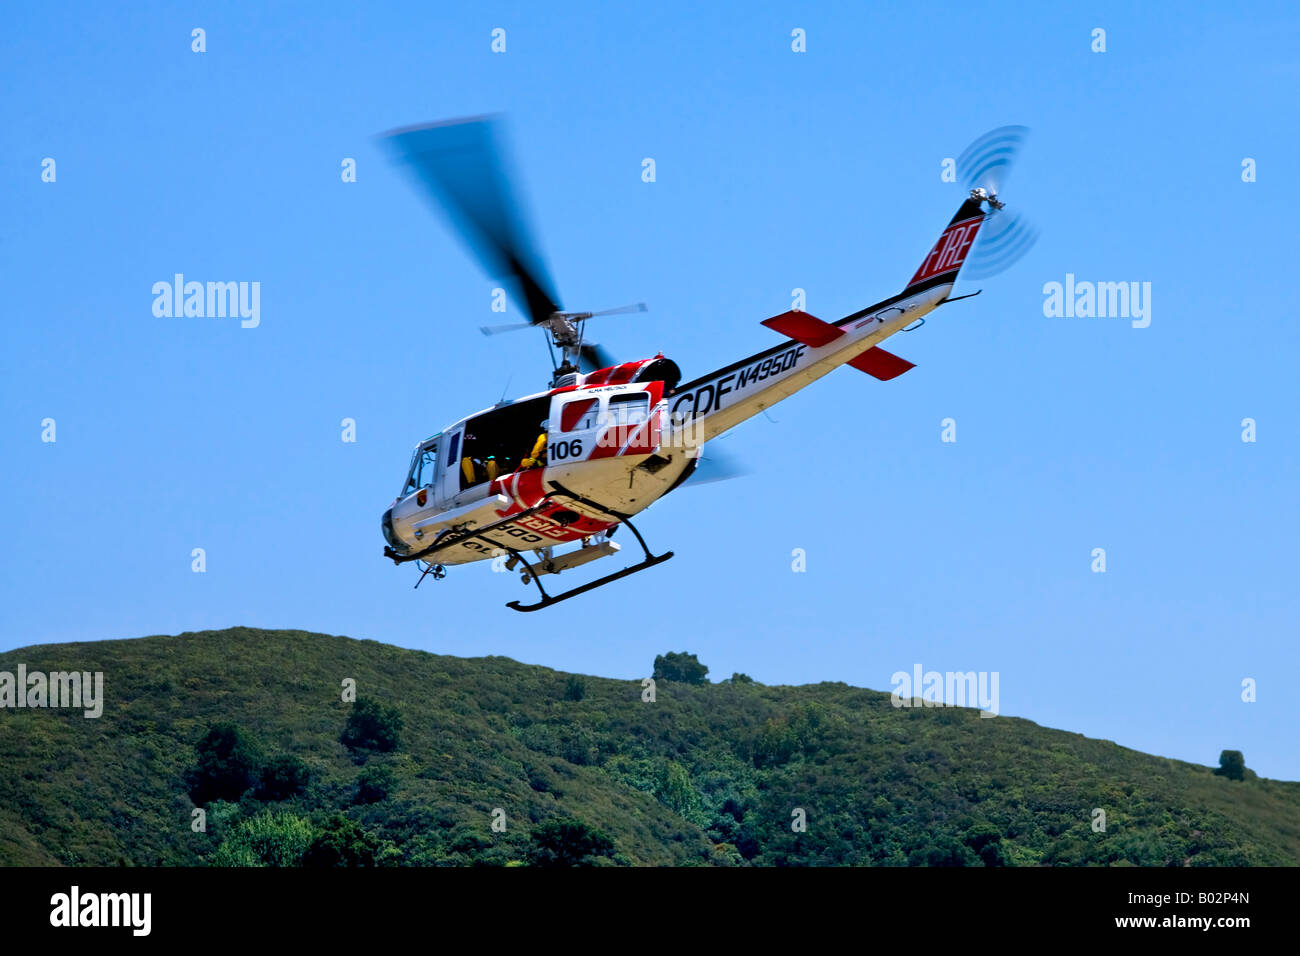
706	773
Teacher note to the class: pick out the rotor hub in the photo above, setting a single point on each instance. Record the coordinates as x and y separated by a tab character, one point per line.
980	194
563	330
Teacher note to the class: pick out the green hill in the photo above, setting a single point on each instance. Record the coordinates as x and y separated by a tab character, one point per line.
707	773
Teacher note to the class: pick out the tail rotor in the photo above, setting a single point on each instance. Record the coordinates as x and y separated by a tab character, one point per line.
984	167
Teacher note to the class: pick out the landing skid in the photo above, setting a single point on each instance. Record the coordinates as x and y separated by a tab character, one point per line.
547	600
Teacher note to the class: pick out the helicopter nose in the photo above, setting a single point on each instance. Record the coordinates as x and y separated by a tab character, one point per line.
386	525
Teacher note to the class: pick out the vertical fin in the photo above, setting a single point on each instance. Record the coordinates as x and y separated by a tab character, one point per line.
944	261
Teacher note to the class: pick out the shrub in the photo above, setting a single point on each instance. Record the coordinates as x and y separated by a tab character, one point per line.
374	784
568	842
283	777
673	787
985	841
272	838
341	843
372	726
944	851
228	763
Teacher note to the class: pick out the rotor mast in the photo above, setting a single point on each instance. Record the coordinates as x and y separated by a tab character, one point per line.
565	330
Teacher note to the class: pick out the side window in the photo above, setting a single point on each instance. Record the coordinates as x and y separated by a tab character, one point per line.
628	409
579	415
453	450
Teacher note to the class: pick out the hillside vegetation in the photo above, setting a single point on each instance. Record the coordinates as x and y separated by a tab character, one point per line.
486	761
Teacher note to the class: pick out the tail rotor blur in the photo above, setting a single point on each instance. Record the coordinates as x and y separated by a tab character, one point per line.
984	168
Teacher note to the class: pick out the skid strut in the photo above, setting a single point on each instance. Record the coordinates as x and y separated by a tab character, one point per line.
547	600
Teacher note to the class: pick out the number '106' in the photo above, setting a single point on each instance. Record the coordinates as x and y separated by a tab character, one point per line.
561	450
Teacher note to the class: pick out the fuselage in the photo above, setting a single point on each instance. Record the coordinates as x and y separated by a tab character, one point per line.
620	438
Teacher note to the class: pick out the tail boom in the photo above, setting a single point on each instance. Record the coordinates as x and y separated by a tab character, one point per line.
704	408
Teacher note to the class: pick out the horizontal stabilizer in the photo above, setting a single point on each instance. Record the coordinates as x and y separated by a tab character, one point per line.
883	365
804	328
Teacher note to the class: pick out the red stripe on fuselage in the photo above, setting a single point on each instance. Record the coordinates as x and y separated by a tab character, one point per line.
645	439
607	444
525	490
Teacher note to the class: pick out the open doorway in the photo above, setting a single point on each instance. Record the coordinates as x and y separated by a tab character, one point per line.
497	442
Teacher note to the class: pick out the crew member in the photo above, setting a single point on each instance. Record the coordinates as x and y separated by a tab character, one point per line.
537	457
472	469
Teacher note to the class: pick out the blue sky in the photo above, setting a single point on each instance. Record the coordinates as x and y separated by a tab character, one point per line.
775	170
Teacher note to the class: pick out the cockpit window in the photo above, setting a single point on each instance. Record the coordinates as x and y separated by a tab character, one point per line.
424	466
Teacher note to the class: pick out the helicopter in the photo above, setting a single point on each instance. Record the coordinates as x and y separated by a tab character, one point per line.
553	475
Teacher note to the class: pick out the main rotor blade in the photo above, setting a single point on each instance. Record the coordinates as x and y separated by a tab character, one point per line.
459	166
621	310
595	357
510	327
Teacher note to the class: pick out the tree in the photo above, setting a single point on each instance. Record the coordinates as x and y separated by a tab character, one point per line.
374	784
568	842
985	841
283	777
272	838
776	742
944	851
682	667
341	843
673	787
575	689
228	763
372	726
1232	765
